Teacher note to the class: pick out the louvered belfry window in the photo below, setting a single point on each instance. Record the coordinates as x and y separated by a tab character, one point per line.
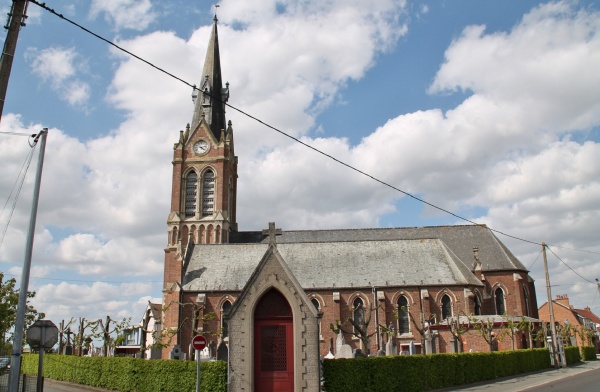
208	193
191	186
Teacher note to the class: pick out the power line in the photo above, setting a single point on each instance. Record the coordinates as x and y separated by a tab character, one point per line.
92	281
19	134
567	265
18	181
536	259
193	86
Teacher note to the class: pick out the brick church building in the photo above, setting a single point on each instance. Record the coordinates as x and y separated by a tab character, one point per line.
272	295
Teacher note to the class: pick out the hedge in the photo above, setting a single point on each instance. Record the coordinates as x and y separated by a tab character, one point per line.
423	373
130	374
588	353
572	355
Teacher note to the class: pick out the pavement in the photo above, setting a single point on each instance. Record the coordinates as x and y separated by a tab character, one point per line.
531	380
508	384
62	386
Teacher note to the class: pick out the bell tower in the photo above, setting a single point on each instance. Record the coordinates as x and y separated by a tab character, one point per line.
203	195
203	198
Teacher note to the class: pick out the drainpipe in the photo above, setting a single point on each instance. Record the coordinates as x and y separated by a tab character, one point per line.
376	304
319	362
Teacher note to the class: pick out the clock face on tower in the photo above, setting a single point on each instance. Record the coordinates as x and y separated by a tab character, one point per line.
201	147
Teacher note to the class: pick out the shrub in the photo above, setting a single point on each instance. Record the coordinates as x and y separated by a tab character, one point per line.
572	355
588	353
130	374
422	373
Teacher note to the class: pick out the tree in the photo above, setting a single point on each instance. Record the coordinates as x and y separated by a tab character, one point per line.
360	324
486	330
9	300
102	330
510	328
458	330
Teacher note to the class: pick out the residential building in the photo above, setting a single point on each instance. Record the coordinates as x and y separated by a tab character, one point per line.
579	327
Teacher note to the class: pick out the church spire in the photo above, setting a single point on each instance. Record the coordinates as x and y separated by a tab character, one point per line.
210	100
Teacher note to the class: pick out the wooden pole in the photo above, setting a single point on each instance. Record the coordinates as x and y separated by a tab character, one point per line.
550	310
16	19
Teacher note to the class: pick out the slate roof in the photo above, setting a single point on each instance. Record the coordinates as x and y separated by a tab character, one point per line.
215	112
341	264
461	239
587	313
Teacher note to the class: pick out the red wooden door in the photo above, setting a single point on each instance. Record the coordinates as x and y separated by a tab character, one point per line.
273	345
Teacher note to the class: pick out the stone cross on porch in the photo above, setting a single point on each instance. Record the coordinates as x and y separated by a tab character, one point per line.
272	232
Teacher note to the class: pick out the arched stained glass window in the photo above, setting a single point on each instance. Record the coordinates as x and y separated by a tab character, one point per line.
477	309
403	318
446	307
191	187
358	315
526	299
499	294
208	193
224	310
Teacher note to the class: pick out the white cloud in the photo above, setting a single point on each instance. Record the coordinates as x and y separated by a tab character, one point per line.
544	65
124	14
61	67
510	149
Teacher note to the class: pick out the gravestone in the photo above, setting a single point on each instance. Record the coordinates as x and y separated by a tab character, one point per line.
222	351
342	349
176	353
390	347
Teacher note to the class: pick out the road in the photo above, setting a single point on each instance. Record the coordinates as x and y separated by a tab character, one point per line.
585	382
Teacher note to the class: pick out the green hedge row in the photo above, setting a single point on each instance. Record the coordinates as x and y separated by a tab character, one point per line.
423	373
588	353
572	355
130	374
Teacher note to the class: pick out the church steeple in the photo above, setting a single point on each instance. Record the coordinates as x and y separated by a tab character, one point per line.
210	100
203	198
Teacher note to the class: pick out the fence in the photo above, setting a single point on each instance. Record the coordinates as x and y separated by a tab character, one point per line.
26	383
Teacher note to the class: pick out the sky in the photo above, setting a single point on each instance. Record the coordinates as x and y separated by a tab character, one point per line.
487	109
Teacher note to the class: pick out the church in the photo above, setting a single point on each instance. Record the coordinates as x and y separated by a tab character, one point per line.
280	299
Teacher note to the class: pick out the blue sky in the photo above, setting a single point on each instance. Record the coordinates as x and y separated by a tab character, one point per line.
487	109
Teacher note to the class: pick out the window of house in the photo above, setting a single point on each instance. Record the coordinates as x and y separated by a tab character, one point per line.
446	307
403	318
224	310
477	310
499	294
191	186
208	193
359	312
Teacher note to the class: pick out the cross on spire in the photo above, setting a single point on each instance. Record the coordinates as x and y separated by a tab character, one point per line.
272	232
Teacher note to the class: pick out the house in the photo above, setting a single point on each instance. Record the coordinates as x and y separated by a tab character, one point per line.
278	299
146	334
578	327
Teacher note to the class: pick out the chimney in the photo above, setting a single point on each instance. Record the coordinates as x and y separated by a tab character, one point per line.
563	299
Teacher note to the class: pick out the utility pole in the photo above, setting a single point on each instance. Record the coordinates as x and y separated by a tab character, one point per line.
598	284
16	19
550	310
15	362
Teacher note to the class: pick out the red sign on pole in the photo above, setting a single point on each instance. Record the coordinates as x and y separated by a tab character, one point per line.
199	342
